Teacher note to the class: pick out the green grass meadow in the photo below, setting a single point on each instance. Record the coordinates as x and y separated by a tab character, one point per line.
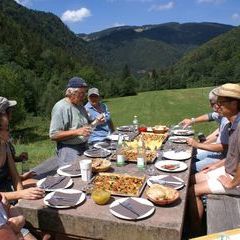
166	107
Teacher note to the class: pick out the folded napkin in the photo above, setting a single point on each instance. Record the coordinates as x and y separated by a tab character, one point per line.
55	182
73	169
172	180
97	152
64	199
131	208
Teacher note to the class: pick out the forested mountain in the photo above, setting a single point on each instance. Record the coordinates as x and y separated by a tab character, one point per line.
149	46
38	53
214	63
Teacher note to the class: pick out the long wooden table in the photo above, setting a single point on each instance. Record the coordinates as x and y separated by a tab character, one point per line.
92	221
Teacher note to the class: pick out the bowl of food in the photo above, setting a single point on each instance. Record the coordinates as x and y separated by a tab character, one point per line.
162	195
100	165
160	129
142	128
100	196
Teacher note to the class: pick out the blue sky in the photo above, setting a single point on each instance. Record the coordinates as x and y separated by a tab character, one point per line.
86	16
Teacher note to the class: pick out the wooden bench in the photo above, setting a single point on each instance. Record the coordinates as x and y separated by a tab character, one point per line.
223	213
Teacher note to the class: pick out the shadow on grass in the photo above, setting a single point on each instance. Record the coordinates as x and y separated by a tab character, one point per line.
28	135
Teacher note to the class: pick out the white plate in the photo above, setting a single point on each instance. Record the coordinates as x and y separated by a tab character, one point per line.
129	128
104	153
61	172
48	196
113	137
140	200
57	189
182	165
159	177
174	139
179	156
183	132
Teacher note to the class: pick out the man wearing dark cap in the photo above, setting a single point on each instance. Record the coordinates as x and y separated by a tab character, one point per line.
69	123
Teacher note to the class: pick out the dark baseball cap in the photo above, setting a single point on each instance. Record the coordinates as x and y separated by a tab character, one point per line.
76	82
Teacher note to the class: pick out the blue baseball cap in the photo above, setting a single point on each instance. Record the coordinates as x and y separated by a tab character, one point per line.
76	82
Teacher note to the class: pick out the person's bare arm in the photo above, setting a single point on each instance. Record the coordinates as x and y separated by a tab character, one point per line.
187	121
211	138
218	147
64	135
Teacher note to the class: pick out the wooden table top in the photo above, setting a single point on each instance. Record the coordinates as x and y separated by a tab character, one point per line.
92	221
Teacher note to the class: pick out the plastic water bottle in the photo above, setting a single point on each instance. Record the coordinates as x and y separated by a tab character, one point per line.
141	155
135	122
120	155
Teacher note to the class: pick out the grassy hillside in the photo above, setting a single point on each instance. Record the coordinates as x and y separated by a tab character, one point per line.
159	107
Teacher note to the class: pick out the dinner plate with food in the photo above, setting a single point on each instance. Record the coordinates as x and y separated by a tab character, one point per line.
162	195
65	198
171	166
183	132
178	139
160	129
167	181
177	155
132	208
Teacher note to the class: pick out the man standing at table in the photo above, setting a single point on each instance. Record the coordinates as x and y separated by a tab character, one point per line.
69	123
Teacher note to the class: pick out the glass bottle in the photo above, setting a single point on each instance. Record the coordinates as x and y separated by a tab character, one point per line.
119	153
141	154
135	122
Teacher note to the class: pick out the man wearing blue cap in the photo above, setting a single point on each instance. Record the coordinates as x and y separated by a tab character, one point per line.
69	123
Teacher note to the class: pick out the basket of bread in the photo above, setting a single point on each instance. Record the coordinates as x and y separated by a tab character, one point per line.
162	195
160	129
100	165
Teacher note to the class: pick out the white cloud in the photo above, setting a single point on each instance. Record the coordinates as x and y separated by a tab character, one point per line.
24	2
161	7
118	24
76	15
236	16
211	1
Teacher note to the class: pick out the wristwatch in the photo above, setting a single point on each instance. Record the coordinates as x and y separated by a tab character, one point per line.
193	120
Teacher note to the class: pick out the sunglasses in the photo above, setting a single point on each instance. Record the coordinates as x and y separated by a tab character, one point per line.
221	102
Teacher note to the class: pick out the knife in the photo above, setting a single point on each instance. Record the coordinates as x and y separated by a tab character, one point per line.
165	182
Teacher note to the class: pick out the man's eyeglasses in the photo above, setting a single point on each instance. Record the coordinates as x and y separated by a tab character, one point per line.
221	102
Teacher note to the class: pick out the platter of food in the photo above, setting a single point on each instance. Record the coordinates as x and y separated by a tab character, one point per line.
162	195
171	166
100	165
131	155
120	184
